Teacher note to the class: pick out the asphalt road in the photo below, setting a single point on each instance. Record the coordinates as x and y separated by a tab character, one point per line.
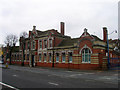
25	77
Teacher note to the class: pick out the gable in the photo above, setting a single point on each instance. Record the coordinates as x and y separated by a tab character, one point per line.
86	36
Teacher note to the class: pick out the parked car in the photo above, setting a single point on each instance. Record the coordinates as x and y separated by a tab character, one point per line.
1	62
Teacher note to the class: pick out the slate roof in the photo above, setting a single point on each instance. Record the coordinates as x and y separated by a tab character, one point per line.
96	38
45	33
68	42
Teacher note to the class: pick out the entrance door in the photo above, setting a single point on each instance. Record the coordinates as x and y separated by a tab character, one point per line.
32	63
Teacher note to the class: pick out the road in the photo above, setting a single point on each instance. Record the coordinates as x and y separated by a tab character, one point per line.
26	77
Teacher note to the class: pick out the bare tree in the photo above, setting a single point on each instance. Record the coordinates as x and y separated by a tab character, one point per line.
24	34
10	43
11	40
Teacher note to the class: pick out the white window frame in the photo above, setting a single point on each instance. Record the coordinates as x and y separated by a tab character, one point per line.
70	56
64	58
50	58
56	57
45	43
45	58
83	55
39	57
50	43
40	44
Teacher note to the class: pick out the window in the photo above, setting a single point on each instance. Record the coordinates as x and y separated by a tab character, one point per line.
50	57
106	54
40	44
28	45
57	57
45	43
70	57
111	55
12	57
45	57
20	56
24	46
50	42
86	54
63	57
27	57
17	56
33	44
40	58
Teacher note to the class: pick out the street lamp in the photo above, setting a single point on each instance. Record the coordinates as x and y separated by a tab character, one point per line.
108	48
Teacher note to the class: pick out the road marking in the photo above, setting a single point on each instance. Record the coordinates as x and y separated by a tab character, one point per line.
108	78
68	71
14	75
52	75
53	83
8	86
75	75
88	73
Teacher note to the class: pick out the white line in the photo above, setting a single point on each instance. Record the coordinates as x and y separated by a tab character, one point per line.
8	86
88	73
53	83
68	71
14	75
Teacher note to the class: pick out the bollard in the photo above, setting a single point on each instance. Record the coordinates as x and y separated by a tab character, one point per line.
6	65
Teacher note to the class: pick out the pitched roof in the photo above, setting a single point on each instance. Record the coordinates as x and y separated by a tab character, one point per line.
53	31
68	42
96	38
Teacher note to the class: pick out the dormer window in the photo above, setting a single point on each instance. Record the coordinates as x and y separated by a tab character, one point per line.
50	42
33	35
33	44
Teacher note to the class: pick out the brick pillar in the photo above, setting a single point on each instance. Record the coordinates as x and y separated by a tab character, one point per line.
105	63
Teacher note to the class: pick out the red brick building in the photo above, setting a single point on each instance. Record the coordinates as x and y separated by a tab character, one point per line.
53	49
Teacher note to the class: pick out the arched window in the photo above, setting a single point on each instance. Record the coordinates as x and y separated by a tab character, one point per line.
86	55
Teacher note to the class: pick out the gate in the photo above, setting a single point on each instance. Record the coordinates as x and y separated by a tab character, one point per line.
114	62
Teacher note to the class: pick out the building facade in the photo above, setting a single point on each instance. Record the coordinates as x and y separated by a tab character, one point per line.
53	49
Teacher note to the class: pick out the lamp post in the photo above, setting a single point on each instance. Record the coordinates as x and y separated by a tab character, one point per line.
108	49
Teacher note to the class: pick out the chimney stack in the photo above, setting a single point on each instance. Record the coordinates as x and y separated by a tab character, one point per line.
104	34
62	27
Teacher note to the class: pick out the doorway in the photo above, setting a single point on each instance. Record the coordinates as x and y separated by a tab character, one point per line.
32	63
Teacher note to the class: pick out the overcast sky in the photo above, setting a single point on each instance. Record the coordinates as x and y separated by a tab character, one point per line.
17	16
